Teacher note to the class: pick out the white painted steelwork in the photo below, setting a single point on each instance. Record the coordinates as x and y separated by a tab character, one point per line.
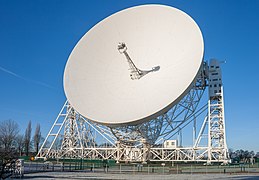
70	141
146	105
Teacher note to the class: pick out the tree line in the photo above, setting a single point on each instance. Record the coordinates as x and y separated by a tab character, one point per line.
243	156
14	143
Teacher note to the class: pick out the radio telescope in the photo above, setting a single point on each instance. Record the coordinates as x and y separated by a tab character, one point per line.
129	77
99	75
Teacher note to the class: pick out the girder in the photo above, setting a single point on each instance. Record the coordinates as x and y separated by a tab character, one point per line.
73	136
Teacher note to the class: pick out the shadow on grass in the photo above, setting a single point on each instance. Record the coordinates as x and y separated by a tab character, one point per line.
246	177
39	177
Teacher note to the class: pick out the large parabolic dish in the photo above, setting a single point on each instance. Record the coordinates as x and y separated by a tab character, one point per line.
134	65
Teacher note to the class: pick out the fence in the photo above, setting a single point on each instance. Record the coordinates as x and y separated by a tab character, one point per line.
161	168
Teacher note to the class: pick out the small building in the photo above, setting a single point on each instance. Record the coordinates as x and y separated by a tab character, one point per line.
170	144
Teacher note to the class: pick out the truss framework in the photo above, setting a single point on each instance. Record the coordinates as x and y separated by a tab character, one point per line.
73	136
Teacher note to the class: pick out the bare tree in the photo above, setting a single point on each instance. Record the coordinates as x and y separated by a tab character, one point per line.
9	129
19	144
8	132
37	138
27	139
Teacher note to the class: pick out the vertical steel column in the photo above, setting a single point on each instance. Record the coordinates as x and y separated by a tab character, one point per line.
217	146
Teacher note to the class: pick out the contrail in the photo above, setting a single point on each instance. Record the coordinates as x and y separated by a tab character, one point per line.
25	79
12	73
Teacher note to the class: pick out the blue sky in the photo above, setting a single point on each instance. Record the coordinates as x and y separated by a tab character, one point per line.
36	38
